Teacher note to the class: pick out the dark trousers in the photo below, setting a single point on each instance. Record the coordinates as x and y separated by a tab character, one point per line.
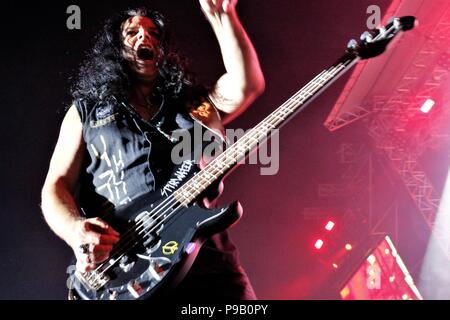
215	287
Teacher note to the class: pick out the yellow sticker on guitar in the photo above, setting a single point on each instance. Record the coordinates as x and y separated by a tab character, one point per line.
170	248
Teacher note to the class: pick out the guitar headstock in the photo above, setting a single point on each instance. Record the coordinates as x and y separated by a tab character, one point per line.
374	43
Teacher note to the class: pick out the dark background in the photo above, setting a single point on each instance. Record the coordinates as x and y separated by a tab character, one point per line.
295	40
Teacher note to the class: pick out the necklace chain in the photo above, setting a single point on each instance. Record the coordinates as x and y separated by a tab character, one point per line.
150	107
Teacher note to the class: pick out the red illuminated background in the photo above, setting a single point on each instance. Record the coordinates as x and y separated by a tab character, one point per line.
364	155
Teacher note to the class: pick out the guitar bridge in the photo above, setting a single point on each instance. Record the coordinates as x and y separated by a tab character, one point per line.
92	279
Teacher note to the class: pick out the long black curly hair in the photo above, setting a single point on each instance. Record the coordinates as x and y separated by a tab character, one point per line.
105	73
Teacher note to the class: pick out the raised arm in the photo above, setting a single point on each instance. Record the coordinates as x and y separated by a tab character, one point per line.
243	80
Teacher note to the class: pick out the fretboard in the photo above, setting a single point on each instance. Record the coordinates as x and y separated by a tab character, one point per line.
260	133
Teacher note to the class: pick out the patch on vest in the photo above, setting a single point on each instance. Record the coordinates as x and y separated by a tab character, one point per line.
104	114
104	111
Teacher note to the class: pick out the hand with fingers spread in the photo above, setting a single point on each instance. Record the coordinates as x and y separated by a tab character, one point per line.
93	242
212	7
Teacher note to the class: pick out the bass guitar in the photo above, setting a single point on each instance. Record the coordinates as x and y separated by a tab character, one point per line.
161	235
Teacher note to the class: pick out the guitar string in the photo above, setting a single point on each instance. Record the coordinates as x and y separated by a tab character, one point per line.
168	201
282	107
292	102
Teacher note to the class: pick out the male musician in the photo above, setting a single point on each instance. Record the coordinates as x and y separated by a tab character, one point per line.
115	142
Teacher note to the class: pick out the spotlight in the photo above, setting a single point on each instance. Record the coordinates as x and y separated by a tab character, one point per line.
426	107
318	244
330	225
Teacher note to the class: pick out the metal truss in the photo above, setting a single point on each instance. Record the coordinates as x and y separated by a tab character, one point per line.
389	126
353	159
404	133
339	121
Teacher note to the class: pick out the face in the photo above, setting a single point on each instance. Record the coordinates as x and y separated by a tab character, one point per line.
141	46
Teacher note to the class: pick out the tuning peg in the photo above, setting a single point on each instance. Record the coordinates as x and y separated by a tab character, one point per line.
352	45
366	37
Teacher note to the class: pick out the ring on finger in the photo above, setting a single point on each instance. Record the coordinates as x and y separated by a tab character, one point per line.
84	248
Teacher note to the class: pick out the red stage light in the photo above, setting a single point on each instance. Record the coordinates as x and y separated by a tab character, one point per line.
330	225
426	107
318	244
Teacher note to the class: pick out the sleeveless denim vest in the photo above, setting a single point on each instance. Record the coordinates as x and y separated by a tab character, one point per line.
127	156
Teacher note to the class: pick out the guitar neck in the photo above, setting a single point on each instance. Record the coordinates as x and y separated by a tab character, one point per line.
228	159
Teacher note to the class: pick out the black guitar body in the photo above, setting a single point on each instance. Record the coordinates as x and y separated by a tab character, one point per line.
161	233
159	242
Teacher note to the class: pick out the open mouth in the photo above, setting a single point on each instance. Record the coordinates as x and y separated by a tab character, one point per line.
145	54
